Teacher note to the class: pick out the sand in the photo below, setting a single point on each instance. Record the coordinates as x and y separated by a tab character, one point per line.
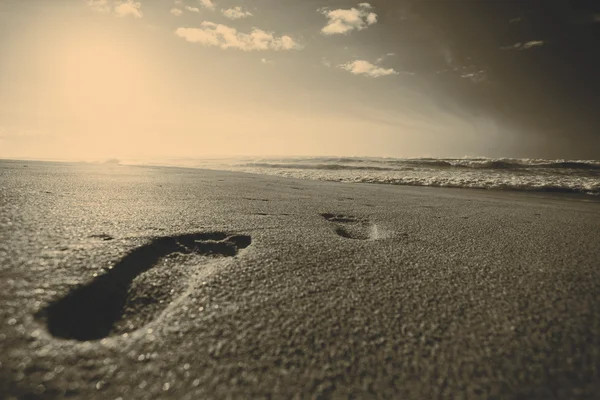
146	282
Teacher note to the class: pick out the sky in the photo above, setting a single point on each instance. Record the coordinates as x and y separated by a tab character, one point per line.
93	79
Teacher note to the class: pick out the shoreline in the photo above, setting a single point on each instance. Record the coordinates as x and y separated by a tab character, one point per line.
542	193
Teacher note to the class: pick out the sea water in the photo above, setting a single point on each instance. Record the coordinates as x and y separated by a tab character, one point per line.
567	176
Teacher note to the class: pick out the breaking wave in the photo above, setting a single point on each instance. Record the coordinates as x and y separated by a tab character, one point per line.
332	167
540	175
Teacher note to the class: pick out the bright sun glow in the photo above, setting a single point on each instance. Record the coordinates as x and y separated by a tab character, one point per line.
101	77
102	83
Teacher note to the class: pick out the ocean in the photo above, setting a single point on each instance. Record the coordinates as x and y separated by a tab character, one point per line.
564	176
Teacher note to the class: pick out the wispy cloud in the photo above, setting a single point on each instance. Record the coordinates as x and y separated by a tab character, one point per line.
380	59
475	76
100	5
236	13
531	44
128	8
515	21
121	8
342	21
192	9
207	4
524	46
362	67
211	34
176	11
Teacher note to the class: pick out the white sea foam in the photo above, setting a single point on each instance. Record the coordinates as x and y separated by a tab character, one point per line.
568	176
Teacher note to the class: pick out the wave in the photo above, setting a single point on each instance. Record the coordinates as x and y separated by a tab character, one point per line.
394	164
571	165
501	163
331	167
538	175
551	176
538	186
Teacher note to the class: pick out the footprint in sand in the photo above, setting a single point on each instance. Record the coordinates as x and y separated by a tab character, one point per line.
353	227
137	289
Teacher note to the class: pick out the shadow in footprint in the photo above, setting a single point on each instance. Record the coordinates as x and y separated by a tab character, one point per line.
108	305
352	227
101	236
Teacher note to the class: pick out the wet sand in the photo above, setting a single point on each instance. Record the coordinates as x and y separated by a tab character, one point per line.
147	282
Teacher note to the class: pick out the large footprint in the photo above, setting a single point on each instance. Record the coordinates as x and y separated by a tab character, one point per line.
352	227
136	290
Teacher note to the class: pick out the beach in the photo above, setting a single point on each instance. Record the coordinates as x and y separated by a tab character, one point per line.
237	285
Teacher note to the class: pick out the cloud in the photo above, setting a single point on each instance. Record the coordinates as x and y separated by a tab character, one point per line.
343	21
176	12
512	46
524	46
371	18
207	4
265	61
211	34
515	21
382	58
532	44
192	9
99	5
128	8
236	13
475	76
362	67
121	8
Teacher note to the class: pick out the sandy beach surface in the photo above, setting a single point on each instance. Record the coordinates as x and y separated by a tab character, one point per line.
146	282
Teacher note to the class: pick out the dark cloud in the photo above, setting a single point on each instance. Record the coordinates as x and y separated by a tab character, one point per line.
548	91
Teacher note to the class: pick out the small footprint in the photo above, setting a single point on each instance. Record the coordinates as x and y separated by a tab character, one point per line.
352	227
138	288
